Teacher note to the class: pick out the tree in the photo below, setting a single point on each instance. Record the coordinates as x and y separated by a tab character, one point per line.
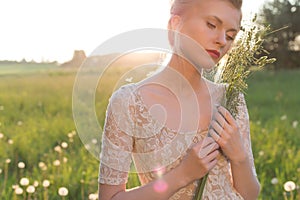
283	43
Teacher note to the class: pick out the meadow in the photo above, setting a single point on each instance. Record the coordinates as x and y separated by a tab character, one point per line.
42	156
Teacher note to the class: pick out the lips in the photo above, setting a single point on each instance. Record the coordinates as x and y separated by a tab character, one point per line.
213	53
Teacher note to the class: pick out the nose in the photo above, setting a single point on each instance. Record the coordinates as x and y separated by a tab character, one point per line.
221	39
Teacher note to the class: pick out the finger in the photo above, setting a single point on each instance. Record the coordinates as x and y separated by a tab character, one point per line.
212	159
214	135
226	114
203	143
213	155
216	127
218	117
207	150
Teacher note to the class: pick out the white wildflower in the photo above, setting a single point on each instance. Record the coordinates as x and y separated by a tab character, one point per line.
24	181
18	191
15	186
56	163
35	183
94	141
295	124
62	191
57	149
274	181
64	145
261	153
30	189
93	196
289	186
283	117
46	183
21	165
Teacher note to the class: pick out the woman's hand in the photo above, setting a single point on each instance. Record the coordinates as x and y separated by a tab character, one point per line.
199	160
226	133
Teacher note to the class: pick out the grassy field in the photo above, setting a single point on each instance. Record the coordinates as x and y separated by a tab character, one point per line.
39	143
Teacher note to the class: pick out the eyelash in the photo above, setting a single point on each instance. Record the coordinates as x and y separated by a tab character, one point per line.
230	38
210	25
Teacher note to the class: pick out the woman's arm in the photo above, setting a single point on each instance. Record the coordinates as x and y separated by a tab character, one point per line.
198	161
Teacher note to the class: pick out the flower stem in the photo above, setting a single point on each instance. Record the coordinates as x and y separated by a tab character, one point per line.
200	188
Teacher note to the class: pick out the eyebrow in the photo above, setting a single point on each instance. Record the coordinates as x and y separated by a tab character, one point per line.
221	22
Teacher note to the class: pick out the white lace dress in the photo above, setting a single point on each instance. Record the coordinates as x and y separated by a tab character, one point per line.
132	135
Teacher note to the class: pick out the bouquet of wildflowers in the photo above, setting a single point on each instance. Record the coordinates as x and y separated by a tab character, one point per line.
236	69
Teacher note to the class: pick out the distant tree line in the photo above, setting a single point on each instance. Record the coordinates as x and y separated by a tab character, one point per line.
283	42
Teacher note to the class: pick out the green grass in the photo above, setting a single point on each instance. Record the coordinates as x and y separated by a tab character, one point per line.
36	118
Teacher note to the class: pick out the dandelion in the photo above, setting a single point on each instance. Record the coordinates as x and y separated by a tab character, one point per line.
24	181
64	145
73	133
7	161
15	186
87	146
0	171
46	183
1	135
30	189
42	166
19	123
274	181
283	117
261	153
10	141
35	183
21	165
57	149
93	196
62	191
289	186
65	160
295	124
70	135
18	191
56	163
94	141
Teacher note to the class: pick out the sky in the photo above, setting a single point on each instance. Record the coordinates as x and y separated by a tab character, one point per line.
50	30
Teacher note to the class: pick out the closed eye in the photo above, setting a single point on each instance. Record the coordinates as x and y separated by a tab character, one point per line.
230	38
210	25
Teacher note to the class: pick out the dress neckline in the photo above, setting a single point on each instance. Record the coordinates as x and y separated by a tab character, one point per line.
137	94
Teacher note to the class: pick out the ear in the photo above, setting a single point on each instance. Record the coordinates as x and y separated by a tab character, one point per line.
173	25
174	22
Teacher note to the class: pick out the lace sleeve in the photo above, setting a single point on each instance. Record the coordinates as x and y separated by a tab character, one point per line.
244	126
115	157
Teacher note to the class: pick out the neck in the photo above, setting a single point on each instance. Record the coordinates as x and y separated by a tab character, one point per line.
187	70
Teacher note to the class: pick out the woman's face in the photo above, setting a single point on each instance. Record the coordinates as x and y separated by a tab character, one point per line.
213	24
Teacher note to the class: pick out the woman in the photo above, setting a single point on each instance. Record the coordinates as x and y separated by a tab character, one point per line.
163	121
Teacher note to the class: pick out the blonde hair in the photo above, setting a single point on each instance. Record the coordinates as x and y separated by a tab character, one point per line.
179	6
